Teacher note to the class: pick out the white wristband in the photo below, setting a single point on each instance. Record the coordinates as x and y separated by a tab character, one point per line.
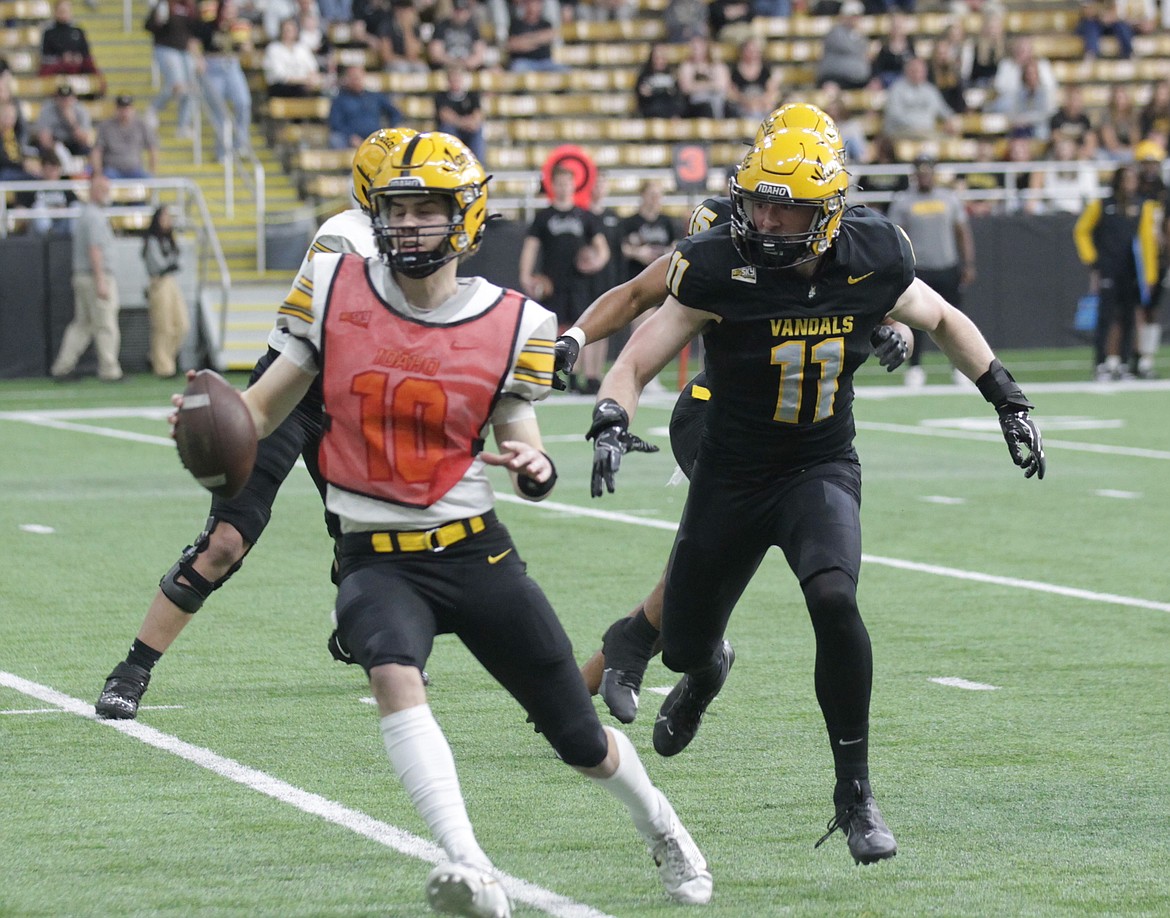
576	334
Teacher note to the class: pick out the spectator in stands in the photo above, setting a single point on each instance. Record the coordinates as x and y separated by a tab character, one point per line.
880	7
1029	108
45	199
730	21
944	247
849	126
290	69
1110	236
983	186
881	153
656	89
8	94
685	19
1120	124
399	39
1120	18
704	81
356	112
562	240
172	25
530	39
64	47
1070	119
1009	75
894	51
983	53
66	122
915	109
335	11
273	13
1154	118
459	110
457	39
169	319
605	10
845	58
774	9
17	164
126	147
1023	187
95	291
315	38
222	38
945	70
754	90
1067	190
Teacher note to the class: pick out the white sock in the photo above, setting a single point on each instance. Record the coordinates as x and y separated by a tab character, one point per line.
1112	362
648	806
423	762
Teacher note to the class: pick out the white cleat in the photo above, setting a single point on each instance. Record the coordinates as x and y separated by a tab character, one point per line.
455	888
681	865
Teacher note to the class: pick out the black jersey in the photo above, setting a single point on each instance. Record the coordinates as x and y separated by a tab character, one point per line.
712	212
782	357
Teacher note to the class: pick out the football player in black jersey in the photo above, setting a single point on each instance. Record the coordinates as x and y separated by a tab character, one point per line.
785	297
616	670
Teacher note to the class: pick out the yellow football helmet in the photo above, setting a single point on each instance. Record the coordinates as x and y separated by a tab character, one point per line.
431	163
801	116
369	157
792	168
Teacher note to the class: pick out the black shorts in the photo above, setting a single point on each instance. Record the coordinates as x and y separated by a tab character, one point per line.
298	436
390	607
813	516
686	422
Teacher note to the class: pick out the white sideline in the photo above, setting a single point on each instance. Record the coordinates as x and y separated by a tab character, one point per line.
315	805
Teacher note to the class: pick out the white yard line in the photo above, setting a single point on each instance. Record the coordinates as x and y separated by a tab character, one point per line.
935	569
315	805
56	419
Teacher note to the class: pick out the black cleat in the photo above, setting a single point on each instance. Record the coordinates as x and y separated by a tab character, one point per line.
870	839
626	658
678	719
124	689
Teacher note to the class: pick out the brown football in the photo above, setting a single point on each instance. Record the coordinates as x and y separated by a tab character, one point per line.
215	434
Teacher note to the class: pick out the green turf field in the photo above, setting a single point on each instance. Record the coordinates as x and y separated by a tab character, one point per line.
1021	710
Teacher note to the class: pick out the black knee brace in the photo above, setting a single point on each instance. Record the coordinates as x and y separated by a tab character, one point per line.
189	595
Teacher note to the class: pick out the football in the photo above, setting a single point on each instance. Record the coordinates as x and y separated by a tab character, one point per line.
215	434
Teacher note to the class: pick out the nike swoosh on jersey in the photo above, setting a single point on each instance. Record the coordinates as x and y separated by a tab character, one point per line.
496	559
858	280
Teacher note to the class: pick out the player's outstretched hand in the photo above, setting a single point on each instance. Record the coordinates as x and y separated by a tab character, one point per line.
889	346
609	431
1024	442
566	350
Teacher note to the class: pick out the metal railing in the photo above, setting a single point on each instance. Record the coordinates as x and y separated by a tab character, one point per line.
212	278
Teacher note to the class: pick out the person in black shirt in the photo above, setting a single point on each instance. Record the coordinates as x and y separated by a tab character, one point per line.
786	297
65	49
568	244
647	234
656	88
458	110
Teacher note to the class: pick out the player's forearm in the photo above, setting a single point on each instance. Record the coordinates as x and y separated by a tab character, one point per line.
963	343
275	394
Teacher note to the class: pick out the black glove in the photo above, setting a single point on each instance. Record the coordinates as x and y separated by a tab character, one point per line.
565	354
611	440
999	387
1019	430
889	346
